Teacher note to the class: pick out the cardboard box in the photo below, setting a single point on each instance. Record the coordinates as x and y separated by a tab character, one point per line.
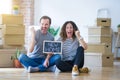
106	22
1	46
13	47
1	26
98	60
5	46
5	55
0	33
14	29
1	30
99	31
11	19
1	43
14	40
100	39
99	48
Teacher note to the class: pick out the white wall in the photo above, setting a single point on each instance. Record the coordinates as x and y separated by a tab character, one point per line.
82	12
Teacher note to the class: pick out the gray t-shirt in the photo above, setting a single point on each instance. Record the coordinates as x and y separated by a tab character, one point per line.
69	48
38	48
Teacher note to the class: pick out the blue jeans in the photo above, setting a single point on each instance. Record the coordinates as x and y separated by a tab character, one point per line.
38	62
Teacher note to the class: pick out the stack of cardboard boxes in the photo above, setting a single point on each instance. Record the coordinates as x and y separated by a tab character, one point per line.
13	30
99	52
12	33
1	36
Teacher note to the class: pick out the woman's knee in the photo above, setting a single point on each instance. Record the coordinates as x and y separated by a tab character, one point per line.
80	49
80	52
58	61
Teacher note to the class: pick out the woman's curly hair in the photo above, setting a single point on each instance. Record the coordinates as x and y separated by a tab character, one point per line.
63	33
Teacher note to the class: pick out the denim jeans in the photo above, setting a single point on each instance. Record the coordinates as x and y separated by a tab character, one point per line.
78	60
38	62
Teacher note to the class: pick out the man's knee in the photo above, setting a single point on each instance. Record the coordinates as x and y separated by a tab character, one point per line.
21	56
57	56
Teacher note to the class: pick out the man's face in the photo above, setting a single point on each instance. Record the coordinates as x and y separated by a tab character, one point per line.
44	25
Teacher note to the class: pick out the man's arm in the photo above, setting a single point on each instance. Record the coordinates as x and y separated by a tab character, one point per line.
46	63
32	42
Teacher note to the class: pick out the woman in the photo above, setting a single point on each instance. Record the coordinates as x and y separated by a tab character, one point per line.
72	49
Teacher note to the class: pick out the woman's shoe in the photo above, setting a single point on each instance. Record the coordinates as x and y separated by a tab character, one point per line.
84	70
75	71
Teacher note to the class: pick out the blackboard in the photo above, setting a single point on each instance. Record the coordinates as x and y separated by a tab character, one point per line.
52	46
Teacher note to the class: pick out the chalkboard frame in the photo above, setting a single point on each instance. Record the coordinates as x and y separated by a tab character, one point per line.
53	42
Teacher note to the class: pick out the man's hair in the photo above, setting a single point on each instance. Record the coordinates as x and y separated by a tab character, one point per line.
45	17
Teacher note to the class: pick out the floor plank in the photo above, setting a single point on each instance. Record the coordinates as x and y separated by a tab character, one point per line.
96	73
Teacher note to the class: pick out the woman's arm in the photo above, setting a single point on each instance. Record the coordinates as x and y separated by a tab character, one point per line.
81	40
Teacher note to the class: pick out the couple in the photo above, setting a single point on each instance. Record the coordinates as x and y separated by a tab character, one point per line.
72	58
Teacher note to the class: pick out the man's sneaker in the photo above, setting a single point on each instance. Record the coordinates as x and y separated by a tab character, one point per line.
33	69
84	70
52	68
75	71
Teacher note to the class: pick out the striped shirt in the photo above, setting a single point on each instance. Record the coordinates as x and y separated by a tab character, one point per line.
69	49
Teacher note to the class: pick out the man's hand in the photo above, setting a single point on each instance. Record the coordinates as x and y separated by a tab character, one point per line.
32	29
46	63
32	41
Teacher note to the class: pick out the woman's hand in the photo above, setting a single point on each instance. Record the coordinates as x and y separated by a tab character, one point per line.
77	33
81	40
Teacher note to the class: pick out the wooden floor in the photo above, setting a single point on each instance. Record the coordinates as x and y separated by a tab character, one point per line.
96	73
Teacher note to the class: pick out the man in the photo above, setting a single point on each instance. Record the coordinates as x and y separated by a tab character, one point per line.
36	60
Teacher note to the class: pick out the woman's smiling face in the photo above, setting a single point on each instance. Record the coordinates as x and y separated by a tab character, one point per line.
69	30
